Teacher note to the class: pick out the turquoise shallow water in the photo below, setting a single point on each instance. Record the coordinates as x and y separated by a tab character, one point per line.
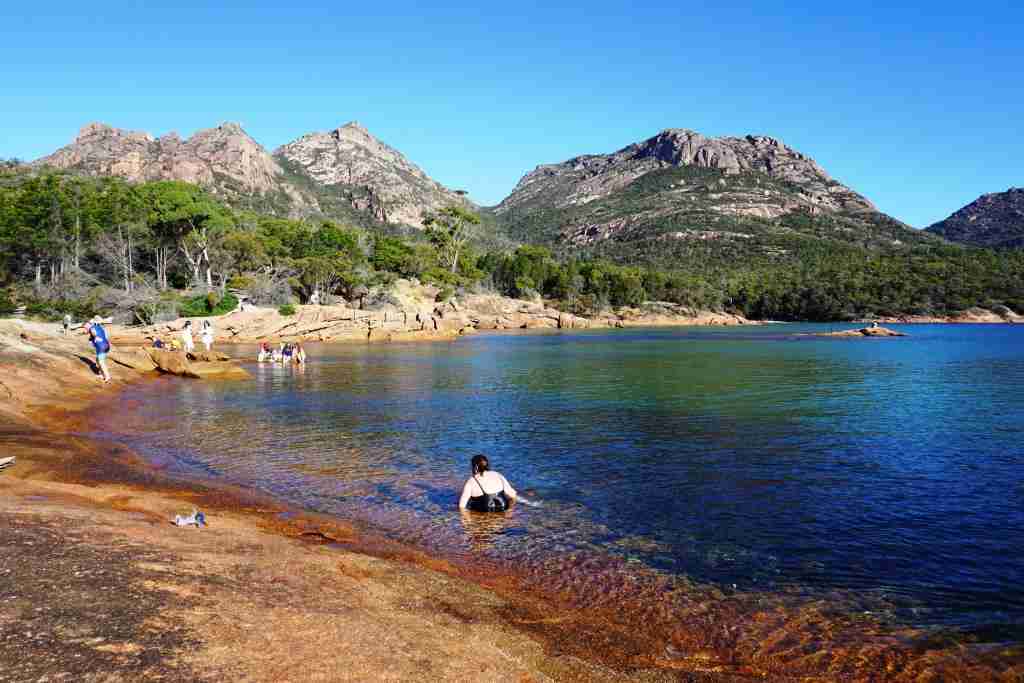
742	456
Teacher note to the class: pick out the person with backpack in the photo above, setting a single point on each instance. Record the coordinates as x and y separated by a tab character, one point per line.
100	342
486	490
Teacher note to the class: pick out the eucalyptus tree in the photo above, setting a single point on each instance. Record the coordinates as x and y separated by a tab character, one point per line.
451	229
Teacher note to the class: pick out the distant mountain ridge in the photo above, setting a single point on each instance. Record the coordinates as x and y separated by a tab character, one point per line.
670	196
680	194
585	178
346	173
993	220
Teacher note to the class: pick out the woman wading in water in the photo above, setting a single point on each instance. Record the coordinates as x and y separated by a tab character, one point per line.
485	490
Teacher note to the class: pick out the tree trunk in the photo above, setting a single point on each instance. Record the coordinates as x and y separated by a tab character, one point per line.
161	267
209	275
78	237
131	267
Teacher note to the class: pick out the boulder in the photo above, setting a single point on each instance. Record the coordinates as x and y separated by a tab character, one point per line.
177	363
209	357
568	321
136	359
451	323
172	363
488	323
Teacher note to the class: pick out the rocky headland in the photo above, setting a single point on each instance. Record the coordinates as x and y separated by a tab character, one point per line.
995	315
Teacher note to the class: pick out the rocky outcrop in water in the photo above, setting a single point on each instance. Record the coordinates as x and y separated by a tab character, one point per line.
993	220
200	365
864	333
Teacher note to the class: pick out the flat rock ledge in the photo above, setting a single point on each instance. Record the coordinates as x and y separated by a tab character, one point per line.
863	333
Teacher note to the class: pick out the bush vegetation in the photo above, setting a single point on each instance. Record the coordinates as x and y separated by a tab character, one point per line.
126	246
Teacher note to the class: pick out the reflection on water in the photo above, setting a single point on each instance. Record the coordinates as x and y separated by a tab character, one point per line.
484	531
736	457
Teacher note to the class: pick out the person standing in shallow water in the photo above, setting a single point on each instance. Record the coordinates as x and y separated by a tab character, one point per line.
486	490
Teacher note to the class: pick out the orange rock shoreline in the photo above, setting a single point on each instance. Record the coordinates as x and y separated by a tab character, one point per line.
265	596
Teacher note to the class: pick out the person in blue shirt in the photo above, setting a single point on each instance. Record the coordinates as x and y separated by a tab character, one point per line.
100	342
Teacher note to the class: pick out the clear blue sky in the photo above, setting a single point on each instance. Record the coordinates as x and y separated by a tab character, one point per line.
919	107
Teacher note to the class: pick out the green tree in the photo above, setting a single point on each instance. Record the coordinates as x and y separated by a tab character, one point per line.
450	229
181	215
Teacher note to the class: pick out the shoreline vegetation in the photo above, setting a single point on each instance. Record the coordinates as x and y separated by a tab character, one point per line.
153	252
98	583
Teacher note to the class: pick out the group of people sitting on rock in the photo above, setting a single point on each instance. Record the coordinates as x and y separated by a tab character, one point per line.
285	353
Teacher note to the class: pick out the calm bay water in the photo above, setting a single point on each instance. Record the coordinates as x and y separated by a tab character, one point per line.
744	456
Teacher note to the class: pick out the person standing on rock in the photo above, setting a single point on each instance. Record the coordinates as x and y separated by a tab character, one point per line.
186	337
207	335
67	324
100	342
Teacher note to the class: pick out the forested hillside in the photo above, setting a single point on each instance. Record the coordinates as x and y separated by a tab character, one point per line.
150	250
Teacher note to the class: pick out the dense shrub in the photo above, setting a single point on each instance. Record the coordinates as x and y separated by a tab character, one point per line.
207	305
286	310
56	309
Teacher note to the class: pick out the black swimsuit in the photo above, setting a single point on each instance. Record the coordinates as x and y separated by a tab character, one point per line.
488	502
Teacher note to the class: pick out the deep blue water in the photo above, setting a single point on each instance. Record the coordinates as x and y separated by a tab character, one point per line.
746	456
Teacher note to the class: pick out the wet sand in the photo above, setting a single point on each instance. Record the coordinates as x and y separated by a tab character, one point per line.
98	585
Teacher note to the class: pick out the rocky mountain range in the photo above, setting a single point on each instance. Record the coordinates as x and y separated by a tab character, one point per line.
584	179
671	196
993	220
398	190
346	173
660	197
